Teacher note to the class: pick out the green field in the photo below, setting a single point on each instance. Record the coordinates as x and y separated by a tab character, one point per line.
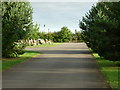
110	70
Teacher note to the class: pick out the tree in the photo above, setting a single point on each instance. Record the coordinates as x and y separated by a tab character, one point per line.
101	29
56	37
49	36
42	35
16	23
65	34
77	36
34	32
0	30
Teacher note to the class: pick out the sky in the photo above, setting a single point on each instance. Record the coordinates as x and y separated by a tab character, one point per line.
55	15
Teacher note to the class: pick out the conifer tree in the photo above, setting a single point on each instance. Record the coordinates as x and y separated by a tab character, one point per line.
101	29
16	23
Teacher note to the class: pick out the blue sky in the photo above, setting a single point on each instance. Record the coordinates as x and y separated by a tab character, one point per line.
58	14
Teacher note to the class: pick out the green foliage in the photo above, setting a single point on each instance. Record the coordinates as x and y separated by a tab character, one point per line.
34	32
77	36
16	23
17	49
42	35
101	29
49	36
65	34
56	37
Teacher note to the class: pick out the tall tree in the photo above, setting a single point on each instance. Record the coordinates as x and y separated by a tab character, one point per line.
16	23
101	29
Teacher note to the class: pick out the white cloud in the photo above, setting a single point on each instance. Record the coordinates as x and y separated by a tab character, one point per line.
56	15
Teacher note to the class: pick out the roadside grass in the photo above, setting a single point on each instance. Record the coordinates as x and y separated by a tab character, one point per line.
46	45
9	62
110	70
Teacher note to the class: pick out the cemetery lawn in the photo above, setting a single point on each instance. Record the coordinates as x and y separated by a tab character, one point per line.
110	70
46	45
9	62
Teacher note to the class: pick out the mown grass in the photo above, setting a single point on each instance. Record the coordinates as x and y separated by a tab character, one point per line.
9	62
46	45
110	70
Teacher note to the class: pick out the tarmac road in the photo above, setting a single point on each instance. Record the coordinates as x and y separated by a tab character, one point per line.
68	65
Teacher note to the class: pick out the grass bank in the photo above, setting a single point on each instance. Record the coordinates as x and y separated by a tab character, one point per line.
46	45
110	70
9	62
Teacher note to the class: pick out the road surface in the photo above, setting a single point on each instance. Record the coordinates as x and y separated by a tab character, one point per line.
69	65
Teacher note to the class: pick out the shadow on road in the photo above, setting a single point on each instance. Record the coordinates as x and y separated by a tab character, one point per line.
64	51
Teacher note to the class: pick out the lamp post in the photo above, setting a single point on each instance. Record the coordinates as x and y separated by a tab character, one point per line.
76	35
44	27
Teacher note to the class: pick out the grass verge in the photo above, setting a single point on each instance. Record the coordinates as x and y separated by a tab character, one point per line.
110	70
46	45
9	62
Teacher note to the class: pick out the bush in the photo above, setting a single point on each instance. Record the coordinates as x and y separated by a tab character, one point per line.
15	50
59	40
19	48
66	40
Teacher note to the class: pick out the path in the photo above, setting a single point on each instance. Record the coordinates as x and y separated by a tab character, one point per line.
69	65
